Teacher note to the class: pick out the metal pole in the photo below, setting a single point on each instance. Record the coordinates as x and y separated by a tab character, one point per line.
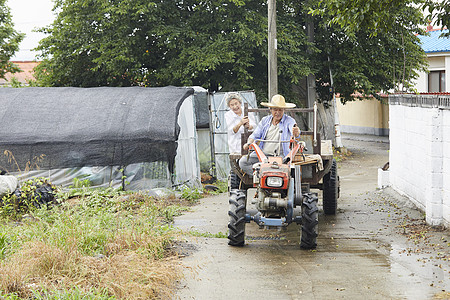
272	48
337	129
211	137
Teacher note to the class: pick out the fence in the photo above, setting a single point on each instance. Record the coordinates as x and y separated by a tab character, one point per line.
419	157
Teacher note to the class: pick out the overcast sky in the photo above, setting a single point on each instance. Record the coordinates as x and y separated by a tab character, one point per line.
28	15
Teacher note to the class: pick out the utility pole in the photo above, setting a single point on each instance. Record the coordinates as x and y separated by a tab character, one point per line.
272	48
310	79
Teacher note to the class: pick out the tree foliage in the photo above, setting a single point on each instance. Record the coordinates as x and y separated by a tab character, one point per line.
364	63
439	11
379	16
9	41
219	44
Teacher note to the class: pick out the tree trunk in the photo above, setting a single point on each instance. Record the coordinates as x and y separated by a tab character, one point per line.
325	122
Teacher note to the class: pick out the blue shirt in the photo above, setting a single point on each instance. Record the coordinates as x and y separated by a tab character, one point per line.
285	125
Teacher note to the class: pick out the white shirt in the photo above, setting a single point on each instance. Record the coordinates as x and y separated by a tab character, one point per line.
234	139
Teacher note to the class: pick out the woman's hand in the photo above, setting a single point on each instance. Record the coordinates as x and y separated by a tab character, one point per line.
245	121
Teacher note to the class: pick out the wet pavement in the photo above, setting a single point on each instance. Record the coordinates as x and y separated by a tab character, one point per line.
376	247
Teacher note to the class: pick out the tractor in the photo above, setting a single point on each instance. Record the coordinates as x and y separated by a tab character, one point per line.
282	184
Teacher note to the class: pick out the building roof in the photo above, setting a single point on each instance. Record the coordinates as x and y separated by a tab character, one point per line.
24	76
434	43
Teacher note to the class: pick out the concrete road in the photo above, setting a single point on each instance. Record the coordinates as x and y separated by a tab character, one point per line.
375	247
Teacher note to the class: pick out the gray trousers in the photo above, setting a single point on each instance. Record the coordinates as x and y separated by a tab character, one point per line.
247	161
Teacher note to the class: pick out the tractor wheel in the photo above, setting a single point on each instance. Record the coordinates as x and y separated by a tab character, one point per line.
235	181
310	221
298	186
330	190
236	225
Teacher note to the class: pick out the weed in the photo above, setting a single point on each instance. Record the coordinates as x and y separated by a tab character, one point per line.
79	182
168	213
219	235
104	244
341	154
191	194
3	245
34	193
30	165
72	294
222	187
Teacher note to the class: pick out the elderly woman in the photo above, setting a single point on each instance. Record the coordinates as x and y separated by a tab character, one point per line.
276	126
236	122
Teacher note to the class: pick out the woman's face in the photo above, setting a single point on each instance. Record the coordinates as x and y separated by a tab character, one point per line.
235	106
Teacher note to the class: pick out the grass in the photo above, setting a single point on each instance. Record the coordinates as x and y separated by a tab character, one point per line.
94	244
98	245
341	154
219	235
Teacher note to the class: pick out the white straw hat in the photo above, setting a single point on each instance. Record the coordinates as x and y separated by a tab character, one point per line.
278	101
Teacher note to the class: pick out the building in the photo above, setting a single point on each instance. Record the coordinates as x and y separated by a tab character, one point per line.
24	76
370	116
437	79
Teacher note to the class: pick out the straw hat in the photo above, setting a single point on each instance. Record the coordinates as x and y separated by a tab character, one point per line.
278	101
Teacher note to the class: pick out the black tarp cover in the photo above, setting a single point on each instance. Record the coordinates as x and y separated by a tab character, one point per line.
76	127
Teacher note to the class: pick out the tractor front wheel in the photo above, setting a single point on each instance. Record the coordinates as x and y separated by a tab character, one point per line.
310	221
236	225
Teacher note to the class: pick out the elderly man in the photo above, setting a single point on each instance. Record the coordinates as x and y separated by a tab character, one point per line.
276	126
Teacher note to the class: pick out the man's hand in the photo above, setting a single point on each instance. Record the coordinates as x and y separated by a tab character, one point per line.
246	145
295	131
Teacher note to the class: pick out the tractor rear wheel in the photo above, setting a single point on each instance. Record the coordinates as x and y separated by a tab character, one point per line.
236	224
235	181
331	190
310	221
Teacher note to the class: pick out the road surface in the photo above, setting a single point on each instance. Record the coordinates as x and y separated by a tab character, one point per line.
375	247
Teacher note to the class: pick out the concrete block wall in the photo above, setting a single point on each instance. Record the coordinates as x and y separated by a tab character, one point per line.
446	166
419	158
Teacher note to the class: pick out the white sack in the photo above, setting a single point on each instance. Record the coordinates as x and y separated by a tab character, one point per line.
8	184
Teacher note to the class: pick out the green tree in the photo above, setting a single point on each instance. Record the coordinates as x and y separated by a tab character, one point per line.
381	15
9	41
218	44
365	63
439	11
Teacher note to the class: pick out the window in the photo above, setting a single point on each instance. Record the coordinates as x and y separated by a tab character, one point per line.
436	81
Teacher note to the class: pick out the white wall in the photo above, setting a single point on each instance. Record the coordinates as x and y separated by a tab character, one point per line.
439	61
419	158
447	73
421	83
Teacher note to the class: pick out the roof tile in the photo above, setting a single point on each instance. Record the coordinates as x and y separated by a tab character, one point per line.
434	43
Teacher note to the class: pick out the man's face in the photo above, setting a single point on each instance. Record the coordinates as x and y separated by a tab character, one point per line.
277	114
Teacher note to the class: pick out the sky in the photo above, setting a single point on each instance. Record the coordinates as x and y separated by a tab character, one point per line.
28	15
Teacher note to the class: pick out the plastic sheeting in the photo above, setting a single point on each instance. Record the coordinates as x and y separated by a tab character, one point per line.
187	165
77	127
201	108
219	130
204	149
162	127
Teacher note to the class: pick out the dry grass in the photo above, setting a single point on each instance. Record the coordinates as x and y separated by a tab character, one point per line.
134	261
126	274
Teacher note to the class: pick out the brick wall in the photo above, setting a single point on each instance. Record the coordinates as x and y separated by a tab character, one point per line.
419	157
